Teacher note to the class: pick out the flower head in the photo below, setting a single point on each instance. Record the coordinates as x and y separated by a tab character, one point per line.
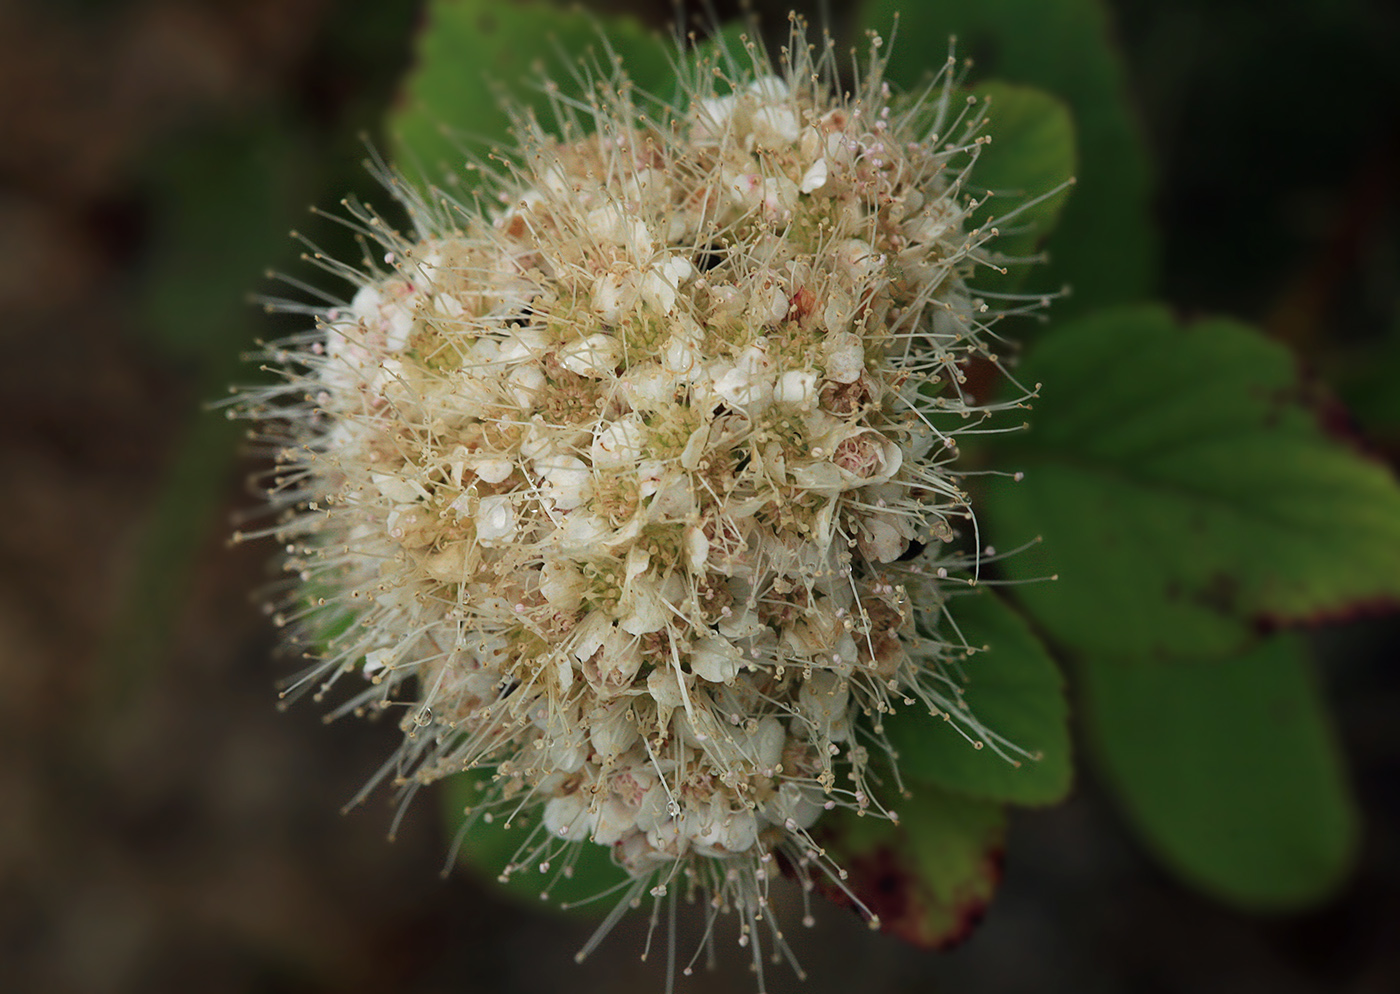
631	475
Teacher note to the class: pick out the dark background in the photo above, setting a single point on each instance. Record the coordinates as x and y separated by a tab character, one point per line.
163	828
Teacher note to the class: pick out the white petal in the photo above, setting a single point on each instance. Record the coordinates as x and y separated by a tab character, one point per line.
590	635
620	444
525	384
776	126
796	388
615	820
664	688
740	831
596	356
644	611
768	740
658	291
637	561
395	488
563	673
695	448
716	660
612	731
697	548
675	498
494	521
815	177
799	804
857	259
568	818
621	658
770	88
568	481
648	387
882	541
493	469
562	585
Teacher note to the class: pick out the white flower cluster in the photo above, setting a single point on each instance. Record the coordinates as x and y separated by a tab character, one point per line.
635	488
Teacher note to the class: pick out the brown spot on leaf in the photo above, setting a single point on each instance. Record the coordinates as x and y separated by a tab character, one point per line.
888	881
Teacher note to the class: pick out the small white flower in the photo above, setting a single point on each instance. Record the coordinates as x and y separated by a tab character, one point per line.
492	469
883	539
865	457
712	116
612	225
563	585
612	730
845	357
775	126
619	444
770	89
716	659
568	818
495	520
768	303
665	688
567	480
648	387
596	356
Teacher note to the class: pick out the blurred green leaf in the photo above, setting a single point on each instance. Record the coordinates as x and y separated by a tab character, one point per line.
219	222
1030	154
215	227
219	193
195	481
470	49
1105	248
1229	770
1016	691
490	846
1185	492
929	878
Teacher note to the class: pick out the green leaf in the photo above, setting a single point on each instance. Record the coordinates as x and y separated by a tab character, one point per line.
182	515
928	879
1030	154
470	48
1015	690
1185	492
220	218
489	846
1105	248
1229	771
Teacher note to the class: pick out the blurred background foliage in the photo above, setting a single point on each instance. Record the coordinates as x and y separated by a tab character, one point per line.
165	829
